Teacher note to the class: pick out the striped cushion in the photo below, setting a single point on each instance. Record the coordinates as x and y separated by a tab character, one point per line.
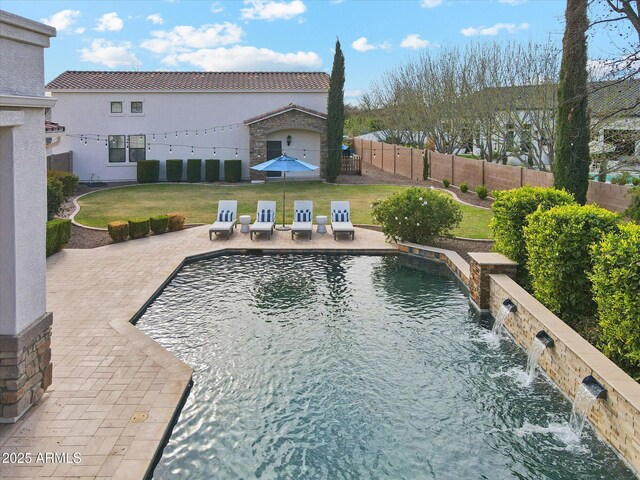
265	216
303	215
225	216
340	215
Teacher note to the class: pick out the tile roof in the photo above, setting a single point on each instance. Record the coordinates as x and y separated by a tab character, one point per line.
282	110
51	127
197	81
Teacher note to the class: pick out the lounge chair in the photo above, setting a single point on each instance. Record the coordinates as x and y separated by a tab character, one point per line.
302	217
341	219
226	219
265	219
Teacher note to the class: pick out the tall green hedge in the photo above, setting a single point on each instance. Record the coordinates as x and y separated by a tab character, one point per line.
232	170
335	116
510	210
616	288
212	170
194	170
68	180
148	171
174	170
558	245
55	198
58	235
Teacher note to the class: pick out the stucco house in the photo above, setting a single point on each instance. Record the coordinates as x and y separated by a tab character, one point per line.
114	119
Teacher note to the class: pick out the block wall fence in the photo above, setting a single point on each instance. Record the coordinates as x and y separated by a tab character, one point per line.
409	163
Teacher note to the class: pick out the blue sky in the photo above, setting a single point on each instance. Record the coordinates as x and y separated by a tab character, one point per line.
281	34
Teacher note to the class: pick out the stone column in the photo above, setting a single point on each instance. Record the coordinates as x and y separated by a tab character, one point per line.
482	265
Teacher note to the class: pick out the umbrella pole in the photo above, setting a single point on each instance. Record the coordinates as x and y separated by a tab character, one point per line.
284	195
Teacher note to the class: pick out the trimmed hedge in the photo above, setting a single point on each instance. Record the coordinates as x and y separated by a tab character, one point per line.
148	171
633	212
55	197
482	191
68	180
616	287
159	223
118	231
510	210
194	170
558	243
58	235
232	170
138	227
464	187
174	170
176	221
212	170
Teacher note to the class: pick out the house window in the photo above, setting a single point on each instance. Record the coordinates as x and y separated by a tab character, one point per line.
136	107
137	148
116	107
116	149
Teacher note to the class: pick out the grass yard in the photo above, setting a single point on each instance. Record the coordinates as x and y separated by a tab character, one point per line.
199	202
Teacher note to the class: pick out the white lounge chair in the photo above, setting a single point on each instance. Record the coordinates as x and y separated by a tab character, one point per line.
302	217
341	219
265	219
226	218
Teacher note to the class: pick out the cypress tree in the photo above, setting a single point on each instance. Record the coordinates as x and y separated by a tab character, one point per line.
335	116
571	161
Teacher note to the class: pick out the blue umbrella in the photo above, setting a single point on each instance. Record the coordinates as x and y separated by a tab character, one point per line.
284	163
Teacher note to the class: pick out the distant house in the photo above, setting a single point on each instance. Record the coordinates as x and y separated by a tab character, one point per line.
115	119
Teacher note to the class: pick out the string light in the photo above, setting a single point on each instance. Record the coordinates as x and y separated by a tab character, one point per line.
214	151
186	133
85	140
106	144
153	137
165	136
191	150
236	152
176	134
304	155
170	150
148	147
98	139
196	133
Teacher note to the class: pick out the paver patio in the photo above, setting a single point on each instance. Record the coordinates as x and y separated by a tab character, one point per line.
114	389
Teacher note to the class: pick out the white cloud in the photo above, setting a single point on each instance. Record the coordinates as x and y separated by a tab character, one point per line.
62	20
430	3
413	40
493	30
156	19
216	7
183	38
244	58
335	2
362	45
110	54
79	30
512	2
271	10
109	22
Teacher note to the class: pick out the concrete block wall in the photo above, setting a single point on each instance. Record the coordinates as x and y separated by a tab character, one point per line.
609	196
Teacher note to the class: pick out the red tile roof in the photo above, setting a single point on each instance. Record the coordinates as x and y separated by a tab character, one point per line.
51	127
197	81
281	110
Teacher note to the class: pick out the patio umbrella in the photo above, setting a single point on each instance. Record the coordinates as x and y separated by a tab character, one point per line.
284	163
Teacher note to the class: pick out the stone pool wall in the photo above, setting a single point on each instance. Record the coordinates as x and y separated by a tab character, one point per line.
616	419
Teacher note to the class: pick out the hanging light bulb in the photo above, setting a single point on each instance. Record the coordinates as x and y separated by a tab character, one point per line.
85	140
98	139
304	154
186	133
196	133
148	147
176	134
214	151
170	150
192	150
153	137
205	131
165	135
236	152
106	144
214	129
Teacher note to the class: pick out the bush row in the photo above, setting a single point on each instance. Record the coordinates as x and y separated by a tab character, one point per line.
60	186
133	228
149	170
481	190
58	235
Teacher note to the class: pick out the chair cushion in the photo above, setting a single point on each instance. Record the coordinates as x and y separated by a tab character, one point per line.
303	215
225	216
265	216
340	216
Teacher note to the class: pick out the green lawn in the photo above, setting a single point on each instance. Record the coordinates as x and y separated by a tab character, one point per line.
199	202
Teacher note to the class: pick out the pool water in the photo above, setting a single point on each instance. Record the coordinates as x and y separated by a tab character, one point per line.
353	367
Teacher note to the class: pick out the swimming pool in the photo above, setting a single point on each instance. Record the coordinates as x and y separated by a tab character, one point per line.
321	366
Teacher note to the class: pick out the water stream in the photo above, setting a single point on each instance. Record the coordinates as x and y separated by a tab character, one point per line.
534	353
582	404
498	325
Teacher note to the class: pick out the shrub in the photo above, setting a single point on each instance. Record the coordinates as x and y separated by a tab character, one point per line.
194	170
635	181
616	287
58	235
425	165
212	170
118	231
148	171
558	242
174	170
464	187
176	221
510	210
622	179
138	227
416	215
55	197
232	170
159	224
446	182
633	211
68	180
482	191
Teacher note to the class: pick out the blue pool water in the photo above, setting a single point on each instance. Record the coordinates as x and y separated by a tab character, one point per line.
355	367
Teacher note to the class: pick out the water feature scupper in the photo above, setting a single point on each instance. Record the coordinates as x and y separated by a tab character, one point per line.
589	391
506	308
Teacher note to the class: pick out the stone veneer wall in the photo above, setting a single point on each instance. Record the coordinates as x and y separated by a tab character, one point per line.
25	368
616	419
